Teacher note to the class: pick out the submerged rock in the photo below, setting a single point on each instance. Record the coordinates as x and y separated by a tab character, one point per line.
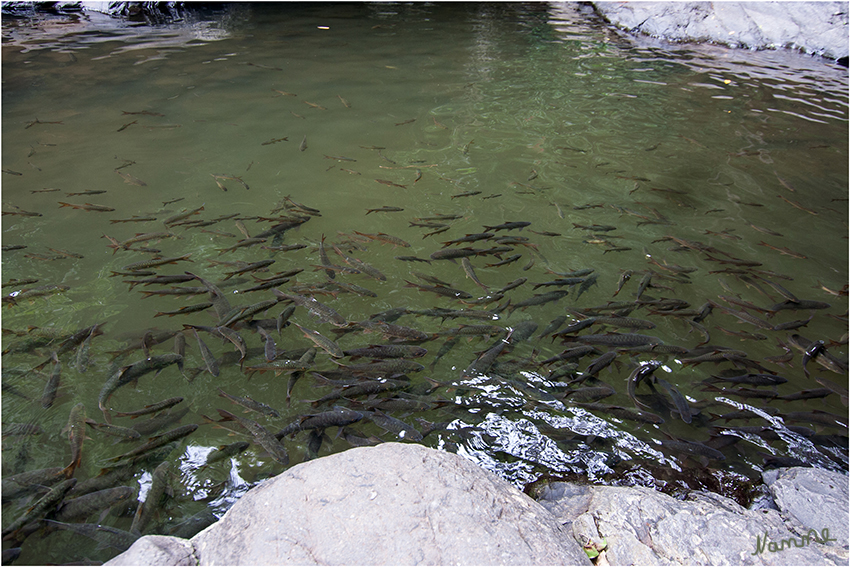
813	27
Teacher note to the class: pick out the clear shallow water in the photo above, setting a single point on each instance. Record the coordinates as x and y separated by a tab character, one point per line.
542	110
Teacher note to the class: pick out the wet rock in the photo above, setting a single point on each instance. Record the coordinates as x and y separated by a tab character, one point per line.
641	526
396	504
812	499
813	27
157	550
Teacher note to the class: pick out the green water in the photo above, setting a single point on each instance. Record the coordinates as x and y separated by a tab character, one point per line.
541	110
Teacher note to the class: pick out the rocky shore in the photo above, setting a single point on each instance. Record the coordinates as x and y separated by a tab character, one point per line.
405	504
819	28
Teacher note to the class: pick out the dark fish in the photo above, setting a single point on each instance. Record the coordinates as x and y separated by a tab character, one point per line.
253	267
81	507
692	448
118	431
387	351
159	441
337	417
482	364
158	487
250	404
508	226
207	355
76	429
619	340
105	535
393	425
620	412
44	505
226	451
384	367
87	207
52	386
133	372
321	341
31	481
315	308
678	399
152	408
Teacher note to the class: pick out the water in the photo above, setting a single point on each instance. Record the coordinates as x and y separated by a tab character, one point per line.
543	113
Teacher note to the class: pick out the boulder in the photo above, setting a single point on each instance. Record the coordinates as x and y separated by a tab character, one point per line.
813	27
640	526
395	503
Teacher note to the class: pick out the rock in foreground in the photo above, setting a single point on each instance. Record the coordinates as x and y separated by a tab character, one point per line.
405	504
394	504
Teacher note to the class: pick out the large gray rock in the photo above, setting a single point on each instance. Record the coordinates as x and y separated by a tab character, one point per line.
394	504
158	550
644	527
814	27
812	499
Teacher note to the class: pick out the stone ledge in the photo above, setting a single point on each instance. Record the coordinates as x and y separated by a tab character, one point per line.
819	28
405	504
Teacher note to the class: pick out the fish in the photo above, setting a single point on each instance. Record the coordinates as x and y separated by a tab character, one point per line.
508	226
440	290
270	348
344	102
784	250
621	412
226	451
275	140
337	417
156	262
42	507
360	265
385	209
182	215
157	489
315	308
262	436
76	429
104	535
123	432
252	267
390	183
133	372
207	355
52	386
678	399
186	309
386	238
82	507
303	145
321	341
387	351
87	207
482	364
129	178
250	404
159	441
692	448
314	105
504	262
246	312
152	408
589	282
393	425
14	486
540	299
